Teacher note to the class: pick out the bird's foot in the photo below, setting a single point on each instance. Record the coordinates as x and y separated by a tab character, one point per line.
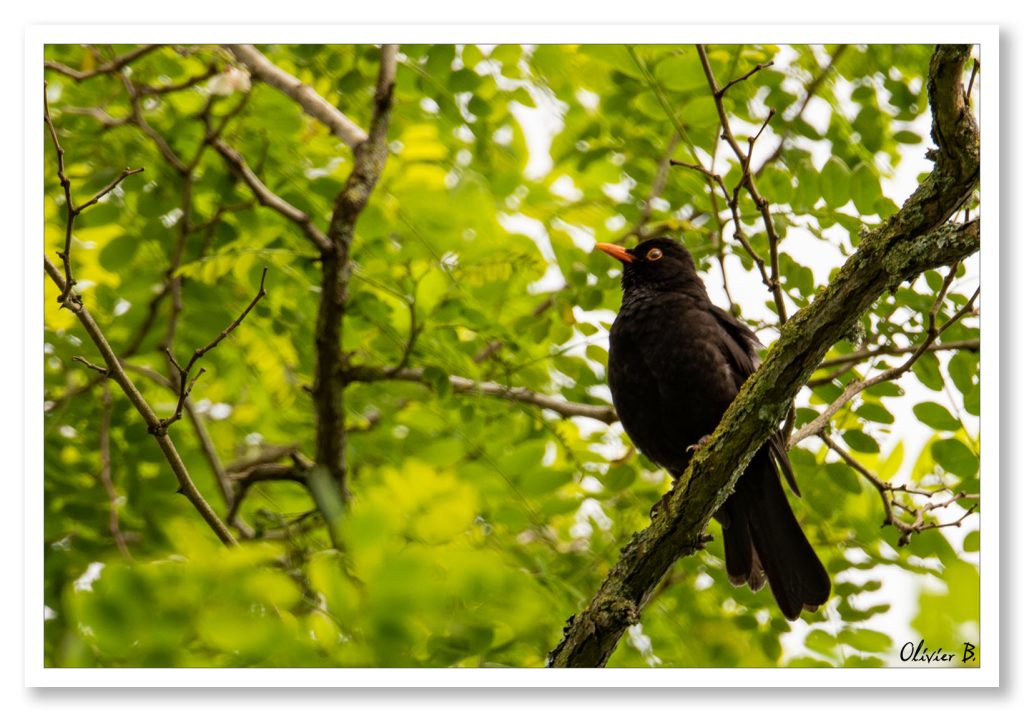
699	444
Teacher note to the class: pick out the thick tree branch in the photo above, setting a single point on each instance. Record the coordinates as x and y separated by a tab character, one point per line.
329	385
903	246
303	94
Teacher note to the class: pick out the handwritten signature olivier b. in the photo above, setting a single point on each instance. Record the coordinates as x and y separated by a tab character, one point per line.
921	654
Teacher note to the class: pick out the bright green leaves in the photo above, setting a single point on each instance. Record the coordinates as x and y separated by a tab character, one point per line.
227	606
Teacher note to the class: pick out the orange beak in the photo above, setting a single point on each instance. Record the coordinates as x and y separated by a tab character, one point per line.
615	251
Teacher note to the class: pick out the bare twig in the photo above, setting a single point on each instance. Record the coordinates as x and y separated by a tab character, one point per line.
184	384
970	84
161	89
818	424
747	180
73	212
721	92
268	198
106	68
868	354
139	120
809	93
887	492
459	384
205	443
116	371
303	94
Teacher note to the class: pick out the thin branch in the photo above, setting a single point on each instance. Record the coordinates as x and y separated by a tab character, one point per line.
67	292
184	384
721	92
106	68
887	492
868	354
104	372
809	93
303	94
109	187
116	371
106	480
205	443
970	84
459	384
162	89
819	423
268	198
747	180
137	118
105	119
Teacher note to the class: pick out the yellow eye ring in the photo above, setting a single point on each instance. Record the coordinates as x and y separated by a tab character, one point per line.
654	254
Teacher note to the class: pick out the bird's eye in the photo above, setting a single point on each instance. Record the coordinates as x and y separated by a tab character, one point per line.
653	254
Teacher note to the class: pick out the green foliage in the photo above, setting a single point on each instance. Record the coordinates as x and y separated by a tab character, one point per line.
477	525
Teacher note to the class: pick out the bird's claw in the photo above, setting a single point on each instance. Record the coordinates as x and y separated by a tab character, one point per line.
699	444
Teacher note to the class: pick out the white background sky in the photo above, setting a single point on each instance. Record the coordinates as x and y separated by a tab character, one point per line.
229	14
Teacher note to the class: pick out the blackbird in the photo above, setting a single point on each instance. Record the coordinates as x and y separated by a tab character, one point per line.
675	363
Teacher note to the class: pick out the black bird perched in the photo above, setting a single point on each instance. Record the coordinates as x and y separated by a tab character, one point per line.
675	363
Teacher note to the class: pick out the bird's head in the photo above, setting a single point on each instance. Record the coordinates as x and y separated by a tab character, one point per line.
660	264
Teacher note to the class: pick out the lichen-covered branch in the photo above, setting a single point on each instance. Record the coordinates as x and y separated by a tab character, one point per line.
899	249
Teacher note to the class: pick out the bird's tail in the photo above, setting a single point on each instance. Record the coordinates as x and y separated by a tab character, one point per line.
763	539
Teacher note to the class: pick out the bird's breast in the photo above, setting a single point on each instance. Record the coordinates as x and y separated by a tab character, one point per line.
669	379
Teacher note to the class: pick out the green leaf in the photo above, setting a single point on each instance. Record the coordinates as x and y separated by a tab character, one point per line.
835	182
118	253
955	457
926	369
860	441
681	72
820	642
908	137
870	641
865	189
936	416
875	412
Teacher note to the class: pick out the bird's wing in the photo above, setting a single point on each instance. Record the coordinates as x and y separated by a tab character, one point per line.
740	347
739	343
